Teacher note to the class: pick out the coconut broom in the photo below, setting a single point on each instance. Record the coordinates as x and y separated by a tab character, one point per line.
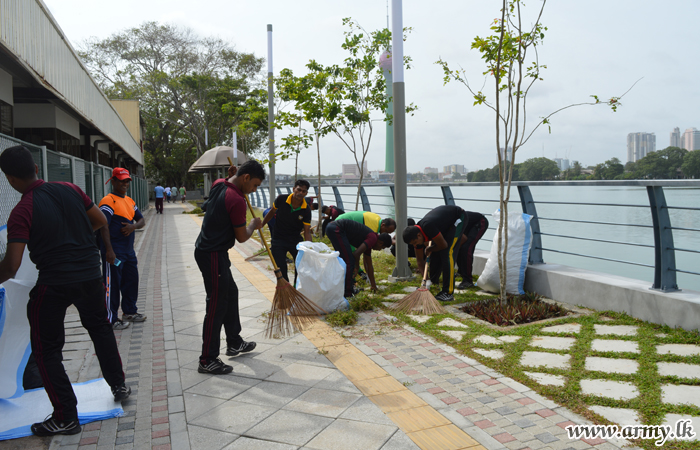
291	310
421	300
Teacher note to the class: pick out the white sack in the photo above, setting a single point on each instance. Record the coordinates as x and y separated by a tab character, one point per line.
321	275
519	240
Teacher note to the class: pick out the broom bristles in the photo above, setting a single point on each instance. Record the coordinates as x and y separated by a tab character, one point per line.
291	311
421	301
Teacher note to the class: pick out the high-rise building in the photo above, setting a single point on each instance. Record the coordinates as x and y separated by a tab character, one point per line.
690	139
430	170
675	138
640	145
455	168
562	163
352	172
508	156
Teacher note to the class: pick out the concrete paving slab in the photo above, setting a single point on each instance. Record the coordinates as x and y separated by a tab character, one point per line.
454	334
614	345
410	289
223	386
611	365
399	441
618	390
363	410
196	405
493	354
289	427
569	328
509	339
267	393
678	349
680	370
303	374
396	296
336	381
542	359
620	416
233	416
350	435
552	342
547	379
247	443
618	330
486	339
201	437
672	419
680	394
451	323
323	402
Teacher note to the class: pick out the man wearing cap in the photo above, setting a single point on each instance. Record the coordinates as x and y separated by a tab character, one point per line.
119	264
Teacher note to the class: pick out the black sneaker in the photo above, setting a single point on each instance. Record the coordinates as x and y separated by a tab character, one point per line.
50	427
215	367
245	347
121	392
445	297
465	285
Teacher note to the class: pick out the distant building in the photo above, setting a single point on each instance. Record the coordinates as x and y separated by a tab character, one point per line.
382	177
639	145
430	170
508	156
675	138
562	163
455	168
351	173
690	139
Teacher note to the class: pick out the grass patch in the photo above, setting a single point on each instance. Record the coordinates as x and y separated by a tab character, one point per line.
196	210
342	318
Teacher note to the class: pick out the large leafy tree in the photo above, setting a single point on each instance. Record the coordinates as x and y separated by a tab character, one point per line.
186	84
609	170
537	169
691	164
661	164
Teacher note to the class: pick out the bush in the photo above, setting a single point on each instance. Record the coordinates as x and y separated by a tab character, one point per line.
197	210
515	310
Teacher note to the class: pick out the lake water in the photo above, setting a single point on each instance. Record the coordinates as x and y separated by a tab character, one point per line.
484	199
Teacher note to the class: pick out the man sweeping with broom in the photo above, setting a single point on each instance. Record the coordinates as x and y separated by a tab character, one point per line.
224	223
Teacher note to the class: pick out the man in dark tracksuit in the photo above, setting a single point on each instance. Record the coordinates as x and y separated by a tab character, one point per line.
120	270
345	234
444	226
477	224
223	225
56	222
292	215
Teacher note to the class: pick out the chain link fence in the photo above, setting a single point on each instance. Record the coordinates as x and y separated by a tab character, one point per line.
55	166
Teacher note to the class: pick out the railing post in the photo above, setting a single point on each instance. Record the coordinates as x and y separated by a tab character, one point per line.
365	200
393	192
338	198
289	190
279	191
264	198
318	197
447	195
528	205
664	253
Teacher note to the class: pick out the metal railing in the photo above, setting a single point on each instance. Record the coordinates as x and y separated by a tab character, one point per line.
56	166
555	228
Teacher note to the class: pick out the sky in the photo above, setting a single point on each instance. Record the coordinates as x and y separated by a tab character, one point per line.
592	47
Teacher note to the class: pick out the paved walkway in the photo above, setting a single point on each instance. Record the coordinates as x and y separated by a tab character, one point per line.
386	387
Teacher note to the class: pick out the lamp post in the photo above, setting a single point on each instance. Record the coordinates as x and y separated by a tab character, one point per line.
270	113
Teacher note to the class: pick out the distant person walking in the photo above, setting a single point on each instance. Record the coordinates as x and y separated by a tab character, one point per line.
183	193
173	191
168	194
56	221
160	192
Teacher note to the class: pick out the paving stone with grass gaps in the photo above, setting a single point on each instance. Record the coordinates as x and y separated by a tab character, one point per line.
671	420
451	323
611	365
621	416
614	345
618	390
509	339
486	339
493	354
680	395
547	379
454	334
678	349
680	370
572	328
552	342
618	330
420	319
542	359
410	289
396	296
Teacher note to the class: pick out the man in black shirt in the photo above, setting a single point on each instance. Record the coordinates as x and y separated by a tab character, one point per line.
345	234
444	226
224	223
292	214
56	222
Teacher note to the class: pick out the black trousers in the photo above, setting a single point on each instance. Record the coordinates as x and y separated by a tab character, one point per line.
465	259
222	303
279	251
443	262
342	245
159	205
46	312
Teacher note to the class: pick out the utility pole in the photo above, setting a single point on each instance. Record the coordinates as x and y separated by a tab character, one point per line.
270	113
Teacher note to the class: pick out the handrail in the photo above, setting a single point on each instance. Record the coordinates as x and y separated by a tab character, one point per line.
664	260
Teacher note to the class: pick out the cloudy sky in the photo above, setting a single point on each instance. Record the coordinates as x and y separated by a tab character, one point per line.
591	47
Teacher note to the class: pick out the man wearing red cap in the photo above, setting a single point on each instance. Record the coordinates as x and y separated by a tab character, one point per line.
119	264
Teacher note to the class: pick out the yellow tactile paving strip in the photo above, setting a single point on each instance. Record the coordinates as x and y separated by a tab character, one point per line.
424	425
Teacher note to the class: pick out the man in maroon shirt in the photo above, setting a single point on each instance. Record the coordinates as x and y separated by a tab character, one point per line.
56	221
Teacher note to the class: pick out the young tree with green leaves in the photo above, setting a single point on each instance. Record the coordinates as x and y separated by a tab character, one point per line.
512	63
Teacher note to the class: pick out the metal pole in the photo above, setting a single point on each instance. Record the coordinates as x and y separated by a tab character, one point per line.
402	270
270	112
